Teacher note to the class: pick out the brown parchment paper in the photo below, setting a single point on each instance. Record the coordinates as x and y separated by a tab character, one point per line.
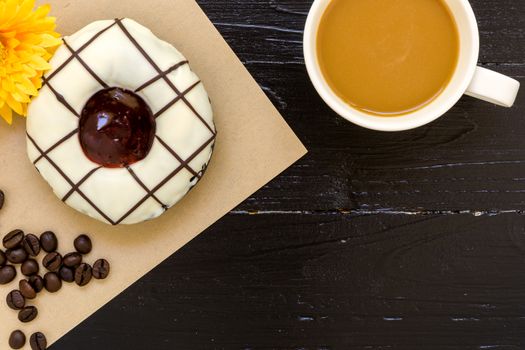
254	145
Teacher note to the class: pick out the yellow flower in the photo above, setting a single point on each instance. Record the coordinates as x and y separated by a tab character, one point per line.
27	42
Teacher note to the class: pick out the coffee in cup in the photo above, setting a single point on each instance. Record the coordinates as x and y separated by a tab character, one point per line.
397	65
387	57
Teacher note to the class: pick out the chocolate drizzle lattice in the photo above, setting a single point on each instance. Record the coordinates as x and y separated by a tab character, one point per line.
161	75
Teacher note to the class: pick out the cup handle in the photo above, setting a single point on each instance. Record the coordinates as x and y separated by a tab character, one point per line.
493	87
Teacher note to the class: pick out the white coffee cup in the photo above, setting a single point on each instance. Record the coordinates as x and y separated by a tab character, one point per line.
468	78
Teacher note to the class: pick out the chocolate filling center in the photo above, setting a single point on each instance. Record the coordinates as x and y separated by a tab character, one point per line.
117	128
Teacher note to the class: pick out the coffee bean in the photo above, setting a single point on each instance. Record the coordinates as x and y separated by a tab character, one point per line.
16	255
17	340
83	244
27	289
48	241
52	282
67	274
30	267
38	341
15	300
83	274
101	269
27	314
13	239
2	199
37	283
52	261
72	259
31	244
3	258
7	274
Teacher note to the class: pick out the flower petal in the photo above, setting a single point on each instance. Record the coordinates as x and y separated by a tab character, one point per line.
6	113
15	105
39	63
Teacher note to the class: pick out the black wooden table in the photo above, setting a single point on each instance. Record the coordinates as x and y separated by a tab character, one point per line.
413	240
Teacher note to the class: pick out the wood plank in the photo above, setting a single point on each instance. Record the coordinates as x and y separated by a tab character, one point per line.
470	159
328	281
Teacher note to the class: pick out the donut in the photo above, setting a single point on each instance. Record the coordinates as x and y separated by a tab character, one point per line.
122	128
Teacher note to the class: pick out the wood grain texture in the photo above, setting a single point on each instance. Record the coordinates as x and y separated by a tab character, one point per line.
470	159
413	240
327	281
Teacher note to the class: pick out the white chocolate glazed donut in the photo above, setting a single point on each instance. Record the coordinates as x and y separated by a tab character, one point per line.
126	55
